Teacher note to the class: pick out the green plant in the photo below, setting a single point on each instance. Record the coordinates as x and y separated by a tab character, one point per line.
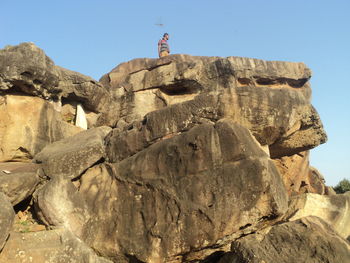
24	230
342	187
24	223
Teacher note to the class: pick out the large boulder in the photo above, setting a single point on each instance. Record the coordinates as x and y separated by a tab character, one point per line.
25	69
58	245
185	75
27	125
308	240
58	203
18	180
268	127
72	156
161	124
75	86
333	209
270	98
7	217
183	195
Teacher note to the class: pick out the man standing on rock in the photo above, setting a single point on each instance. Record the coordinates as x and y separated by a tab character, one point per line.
163	46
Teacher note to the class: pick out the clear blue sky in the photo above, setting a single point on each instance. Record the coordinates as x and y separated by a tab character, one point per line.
92	37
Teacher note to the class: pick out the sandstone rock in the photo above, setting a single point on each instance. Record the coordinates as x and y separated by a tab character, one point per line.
333	209
176	70
20	183
193	192
185	172
72	156
271	99
27	125
268	124
305	240
316	182
75	86
161	124
27	69
7	217
58	203
144	85
294	171
277	117
298	176
53	246
309	135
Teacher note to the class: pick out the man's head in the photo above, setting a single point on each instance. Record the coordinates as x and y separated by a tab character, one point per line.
166	36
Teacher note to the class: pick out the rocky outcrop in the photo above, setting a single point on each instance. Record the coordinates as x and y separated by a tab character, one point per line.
271	99
194	153
25	68
27	125
75	87
334	209
18	180
183	190
72	156
57	245
7	217
305	240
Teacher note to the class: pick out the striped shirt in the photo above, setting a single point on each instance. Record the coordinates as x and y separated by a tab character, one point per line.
164	46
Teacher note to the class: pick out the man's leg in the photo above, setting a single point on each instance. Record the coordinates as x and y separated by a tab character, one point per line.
164	53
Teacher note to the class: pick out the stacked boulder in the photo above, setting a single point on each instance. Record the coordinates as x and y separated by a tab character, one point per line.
185	159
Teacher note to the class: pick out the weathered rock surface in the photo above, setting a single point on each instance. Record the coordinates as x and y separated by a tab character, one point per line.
7	216
270	98
316	183
210	108
58	203
27	125
308	240
298	176
161	124
333	209
18	180
186	170
72	156
53	246
75	86
193	191
26	68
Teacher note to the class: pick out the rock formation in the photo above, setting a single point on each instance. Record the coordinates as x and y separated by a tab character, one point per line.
306	240
7	217
332	209
185	158
194	201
